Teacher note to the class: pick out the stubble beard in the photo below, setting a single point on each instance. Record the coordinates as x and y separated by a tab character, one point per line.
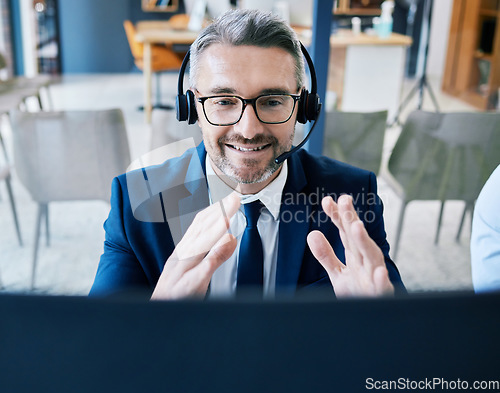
252	170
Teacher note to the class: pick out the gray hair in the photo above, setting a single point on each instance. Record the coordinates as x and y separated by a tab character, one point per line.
248	27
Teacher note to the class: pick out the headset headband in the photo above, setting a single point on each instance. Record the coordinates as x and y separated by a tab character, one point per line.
314	83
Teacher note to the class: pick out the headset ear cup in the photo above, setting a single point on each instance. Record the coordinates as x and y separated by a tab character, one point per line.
312	107
181	109
185	106
302	105
192	115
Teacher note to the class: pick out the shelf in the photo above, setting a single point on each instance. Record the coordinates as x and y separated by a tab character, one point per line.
353	8
492	13
472	73
359	11
483	56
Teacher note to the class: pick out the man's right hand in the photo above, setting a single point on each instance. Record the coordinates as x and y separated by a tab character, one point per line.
205	246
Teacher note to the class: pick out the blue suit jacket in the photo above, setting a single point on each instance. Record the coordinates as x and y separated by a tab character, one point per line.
152	208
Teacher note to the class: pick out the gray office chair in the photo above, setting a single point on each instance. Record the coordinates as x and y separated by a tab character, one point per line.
5	174
11	97
66	156
32	87
21	88
355	138
444	156
8	101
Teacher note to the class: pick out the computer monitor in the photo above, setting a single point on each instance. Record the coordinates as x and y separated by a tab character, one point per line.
65	344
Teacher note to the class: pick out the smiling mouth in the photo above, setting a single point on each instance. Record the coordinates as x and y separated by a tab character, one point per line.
246	149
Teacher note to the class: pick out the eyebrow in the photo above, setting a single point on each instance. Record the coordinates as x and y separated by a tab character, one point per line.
222	90
228	90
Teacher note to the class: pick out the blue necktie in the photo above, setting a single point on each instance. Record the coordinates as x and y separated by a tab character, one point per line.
251	257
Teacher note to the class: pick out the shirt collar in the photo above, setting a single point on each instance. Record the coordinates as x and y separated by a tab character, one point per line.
270	196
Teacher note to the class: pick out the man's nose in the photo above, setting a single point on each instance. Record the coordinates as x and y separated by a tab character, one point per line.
249	124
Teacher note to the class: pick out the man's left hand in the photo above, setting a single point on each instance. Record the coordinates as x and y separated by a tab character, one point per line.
364	273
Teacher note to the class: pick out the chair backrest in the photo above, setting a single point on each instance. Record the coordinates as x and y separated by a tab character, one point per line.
442	156
73	155
356	138
163	57
136	47
179	21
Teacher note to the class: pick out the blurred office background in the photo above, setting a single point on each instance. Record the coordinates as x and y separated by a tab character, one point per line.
63	55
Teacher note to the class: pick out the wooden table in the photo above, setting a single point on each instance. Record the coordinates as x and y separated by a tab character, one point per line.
156	32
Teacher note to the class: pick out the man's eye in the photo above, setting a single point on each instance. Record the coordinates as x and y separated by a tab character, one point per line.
224	102
272	101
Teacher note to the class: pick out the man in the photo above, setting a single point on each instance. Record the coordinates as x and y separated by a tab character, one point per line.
485	238
246	76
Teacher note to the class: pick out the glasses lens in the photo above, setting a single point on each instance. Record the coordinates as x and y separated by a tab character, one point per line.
275	108
226	110
223	110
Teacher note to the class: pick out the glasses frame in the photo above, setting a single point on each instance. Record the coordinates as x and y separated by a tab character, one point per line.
251	101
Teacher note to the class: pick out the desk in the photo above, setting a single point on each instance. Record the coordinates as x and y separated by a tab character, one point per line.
158	32
370	71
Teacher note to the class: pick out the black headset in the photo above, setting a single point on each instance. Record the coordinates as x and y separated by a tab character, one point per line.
309	105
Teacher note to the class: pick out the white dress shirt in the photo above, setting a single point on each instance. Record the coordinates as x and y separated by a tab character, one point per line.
485	238
223	282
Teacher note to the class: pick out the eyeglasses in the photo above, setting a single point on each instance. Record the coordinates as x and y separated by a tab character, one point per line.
228	110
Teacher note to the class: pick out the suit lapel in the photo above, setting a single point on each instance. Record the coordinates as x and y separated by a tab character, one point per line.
293	228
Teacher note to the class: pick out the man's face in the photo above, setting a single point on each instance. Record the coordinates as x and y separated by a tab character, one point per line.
245	151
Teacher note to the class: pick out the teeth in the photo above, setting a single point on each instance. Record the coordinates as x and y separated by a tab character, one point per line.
244	149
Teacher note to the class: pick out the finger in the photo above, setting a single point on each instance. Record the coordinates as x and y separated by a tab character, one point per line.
367	255
347	214
348	217
220	253
383	284
341	214
369	250
198	278
194	282
323	252
207	228
228	207
331	210
352	256
220	213
373	261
